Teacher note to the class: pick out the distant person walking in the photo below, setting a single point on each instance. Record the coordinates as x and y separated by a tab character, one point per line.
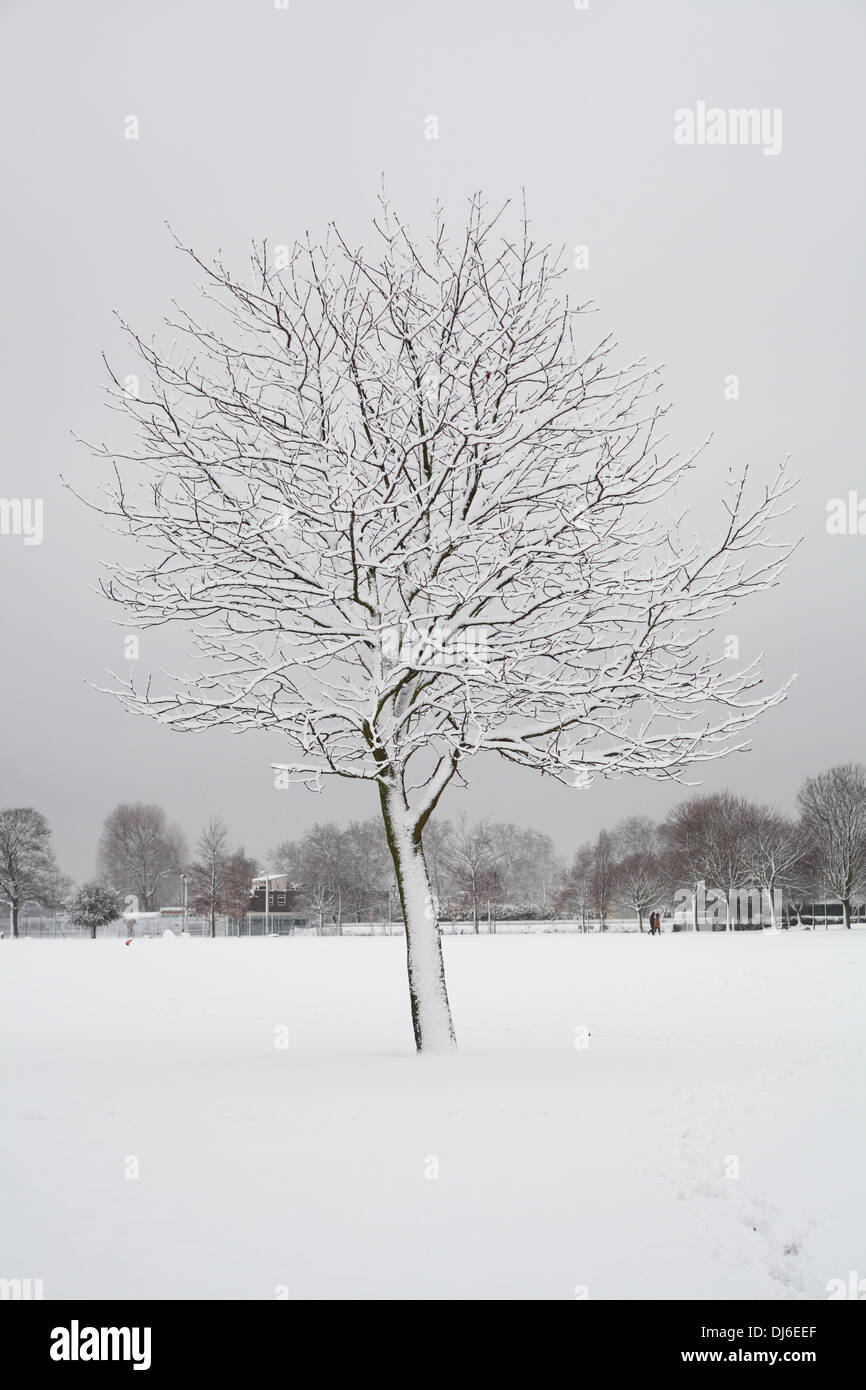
655	924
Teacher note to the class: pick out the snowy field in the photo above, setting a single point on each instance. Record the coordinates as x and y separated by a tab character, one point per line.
312	1168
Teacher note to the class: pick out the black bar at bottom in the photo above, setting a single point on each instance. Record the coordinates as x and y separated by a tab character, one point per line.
153	1340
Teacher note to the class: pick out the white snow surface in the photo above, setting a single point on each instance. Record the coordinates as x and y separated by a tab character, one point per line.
563	1170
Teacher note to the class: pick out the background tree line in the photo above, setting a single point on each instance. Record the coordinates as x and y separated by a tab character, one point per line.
486	871
730	844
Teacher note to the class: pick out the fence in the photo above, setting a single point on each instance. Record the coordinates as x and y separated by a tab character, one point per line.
280	924
283	924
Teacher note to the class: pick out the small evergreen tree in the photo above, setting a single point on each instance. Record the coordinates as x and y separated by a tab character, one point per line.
95	905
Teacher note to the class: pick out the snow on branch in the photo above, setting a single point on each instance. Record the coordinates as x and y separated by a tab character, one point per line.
407	516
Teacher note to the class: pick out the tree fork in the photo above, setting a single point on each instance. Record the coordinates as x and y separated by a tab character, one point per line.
428	996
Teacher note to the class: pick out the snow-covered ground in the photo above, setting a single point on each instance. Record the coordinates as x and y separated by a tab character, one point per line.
312	1168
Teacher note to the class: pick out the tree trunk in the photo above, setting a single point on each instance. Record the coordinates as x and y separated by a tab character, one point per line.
846	912
428	997
13	913
640	918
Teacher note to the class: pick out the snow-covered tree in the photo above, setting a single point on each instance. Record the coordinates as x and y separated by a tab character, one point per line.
28	868
407	518
833	810
95	905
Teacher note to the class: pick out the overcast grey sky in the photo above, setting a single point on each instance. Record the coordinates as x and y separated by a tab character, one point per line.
254	122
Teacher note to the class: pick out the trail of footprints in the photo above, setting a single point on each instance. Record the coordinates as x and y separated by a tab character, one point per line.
766	1240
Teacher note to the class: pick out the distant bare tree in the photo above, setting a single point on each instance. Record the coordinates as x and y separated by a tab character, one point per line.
575	894
776	853
833	809
603	877
209	872
317	868
727	820
367	866
687	836
241	869
641	878
641	883
140	852
527	864
635	835
474	866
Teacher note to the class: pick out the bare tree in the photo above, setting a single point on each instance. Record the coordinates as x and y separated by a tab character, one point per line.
527	864
603	878
139	851
640	883
316	866
642	876
727	821
28	868
474	866
686	834
408	518
575	894
833	808
209	873
367	866
636	835
241	869
775	855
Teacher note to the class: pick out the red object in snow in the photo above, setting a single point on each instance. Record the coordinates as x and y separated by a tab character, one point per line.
128	942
